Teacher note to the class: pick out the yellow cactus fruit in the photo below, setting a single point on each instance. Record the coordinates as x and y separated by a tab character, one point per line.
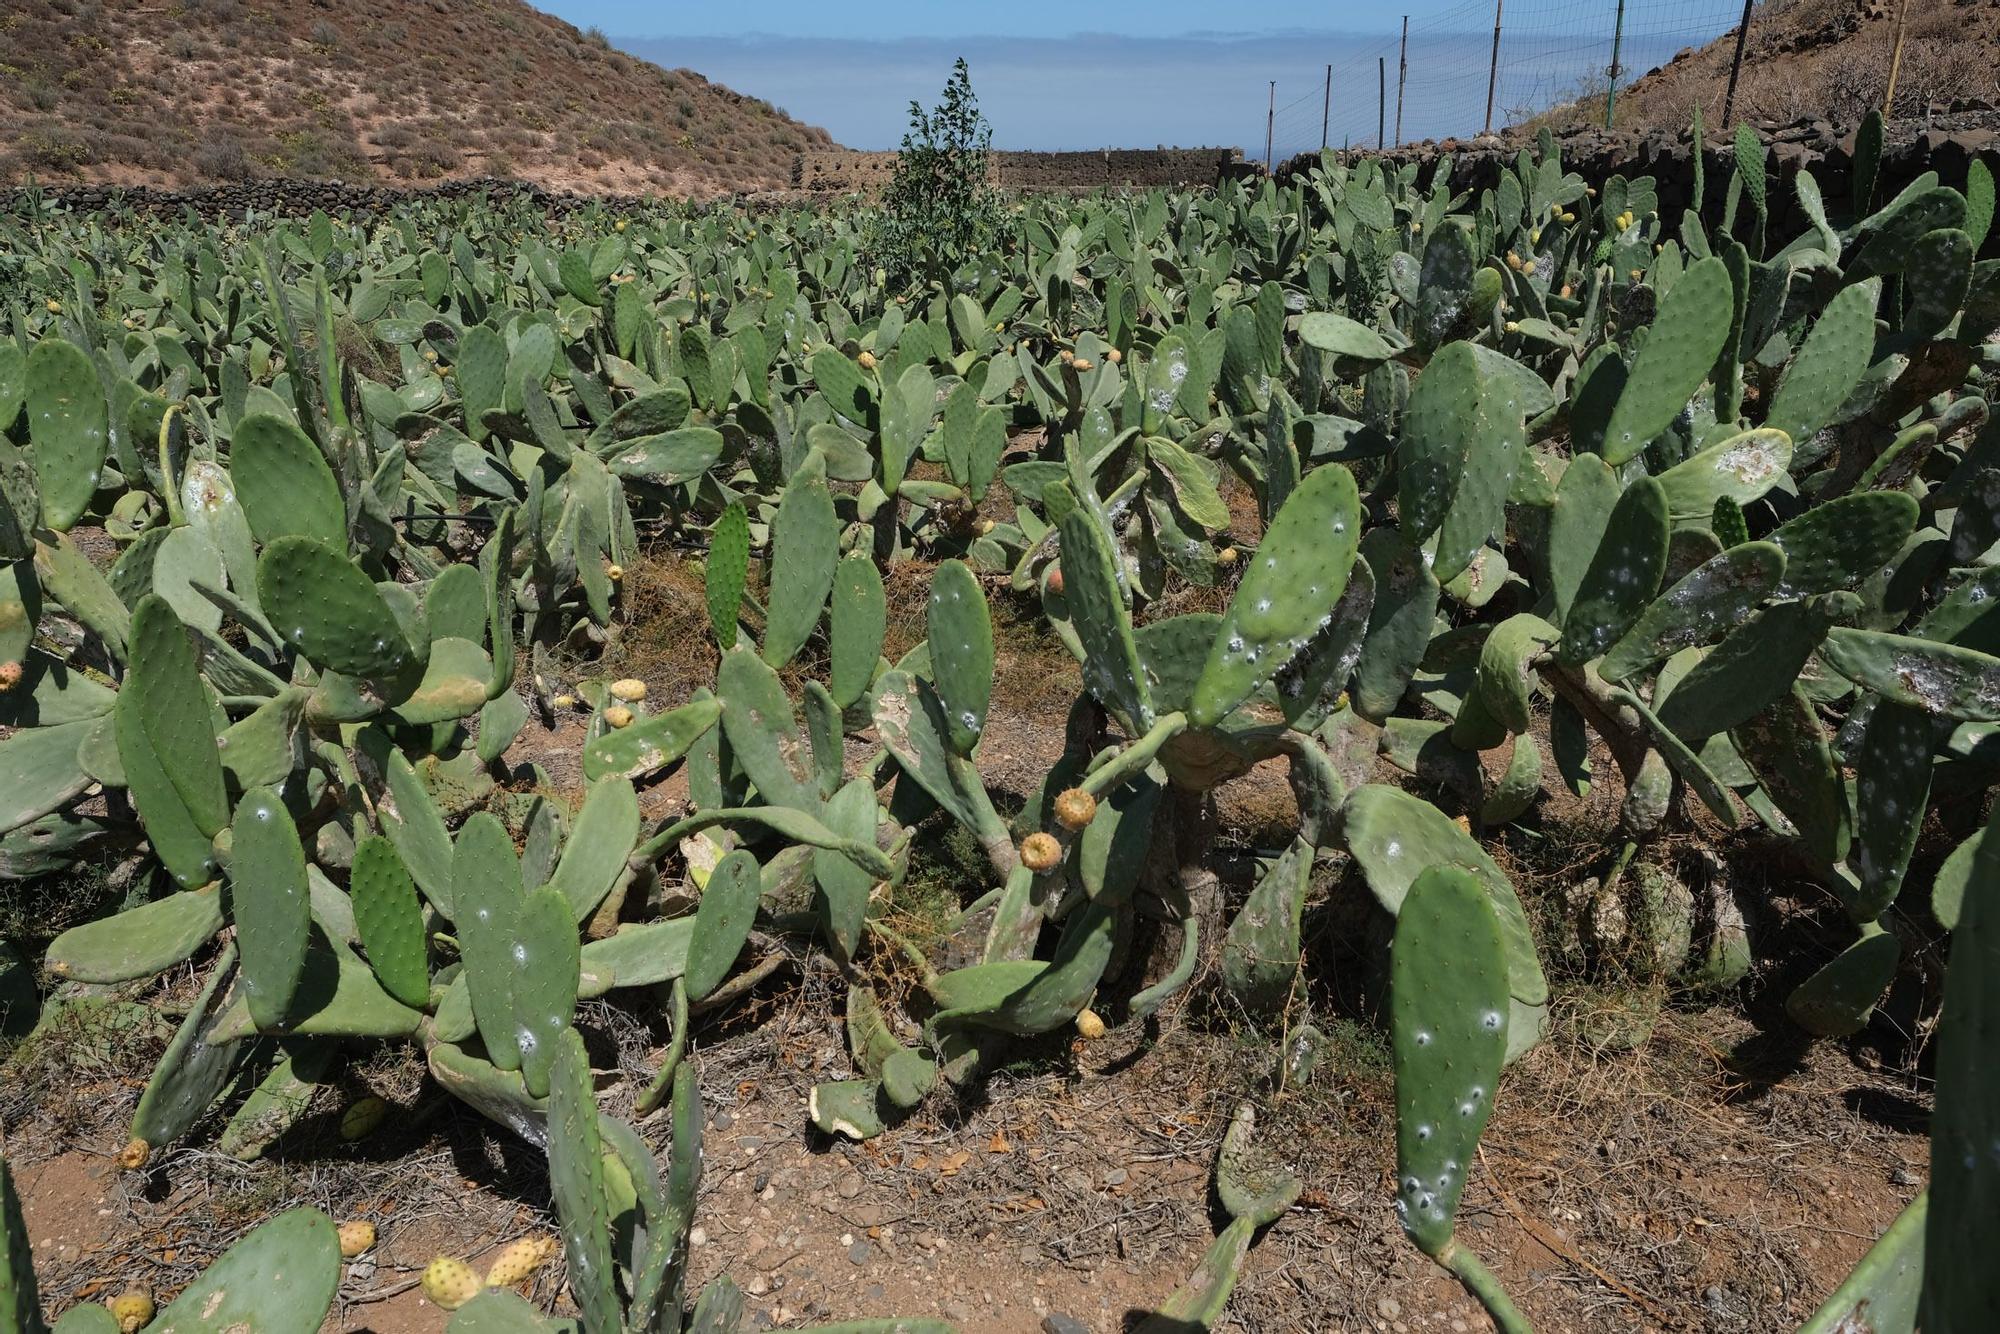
10	676
867	360
563	702
985	527
1055	579
1114	356
1226	556
518	1263
618	716
1535	237
618	226
363	1117
132	1309
450	1283
54	306
1040	852
1069	357
629	690
1513	260
356	1238
1083	363
1567	291
134	1155
1513	326
614	572
1088	1025
1075	808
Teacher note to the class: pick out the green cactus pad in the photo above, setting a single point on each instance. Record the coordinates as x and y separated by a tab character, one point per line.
1438	427
1881	1295
1093	592
1892	785
1741	468
1260	954
174	712
1837	1000
728	568
1505	683
547	959
805	540
486	900
453	685
577	1180
1292	585
1788	751
652	743
1448	1032
284	484
1920	674
1756	664
1250	1190
594	855
855	626
843	887
326	607
1704	605
1623	575
848	1107
413	823
1828	365
198	1064
278	1280
268	902
1838	544
1399	623
281	1100
1200	1302
961	642
497	1310
1685	338
764	732
722	922
1965	1126
140	942
68	429
1394	837
390	920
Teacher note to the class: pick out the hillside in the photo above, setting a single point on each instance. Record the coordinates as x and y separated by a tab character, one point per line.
174	92
1823	59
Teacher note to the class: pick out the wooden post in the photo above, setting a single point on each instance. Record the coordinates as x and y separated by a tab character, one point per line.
1611	88
1493	66
1326	110
1895	60
1736	65
1270	124
1402	74
1381	101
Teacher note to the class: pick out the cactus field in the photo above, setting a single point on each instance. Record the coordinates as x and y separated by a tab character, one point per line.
1470	679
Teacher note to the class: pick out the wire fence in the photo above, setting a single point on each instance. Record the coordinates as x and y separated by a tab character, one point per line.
1452	76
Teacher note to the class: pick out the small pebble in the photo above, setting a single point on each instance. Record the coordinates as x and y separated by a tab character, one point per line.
1117	1176
1389	1308
859	1252
1061	1324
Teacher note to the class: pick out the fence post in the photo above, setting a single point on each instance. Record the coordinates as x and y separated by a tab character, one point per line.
1381	101
1493	66
1326	110
1736	65
1402	73
1895	59
1611	88
1270	124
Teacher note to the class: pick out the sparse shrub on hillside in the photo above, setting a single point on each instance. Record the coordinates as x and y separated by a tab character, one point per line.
182	44
223	158
939	209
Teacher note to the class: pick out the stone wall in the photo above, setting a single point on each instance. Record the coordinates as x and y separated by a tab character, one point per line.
296	197
840	171
1910	149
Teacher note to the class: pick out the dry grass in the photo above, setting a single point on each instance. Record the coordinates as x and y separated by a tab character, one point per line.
407	91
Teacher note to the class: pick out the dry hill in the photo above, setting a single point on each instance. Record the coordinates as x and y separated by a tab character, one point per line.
173	92
1824	59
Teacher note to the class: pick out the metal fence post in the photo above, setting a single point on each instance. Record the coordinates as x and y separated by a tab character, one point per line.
1402	75
1381	101
1326	110
1736	65
1611	89
1270	124
1493	66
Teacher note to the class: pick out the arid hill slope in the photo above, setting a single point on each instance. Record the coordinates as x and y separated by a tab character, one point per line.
173	92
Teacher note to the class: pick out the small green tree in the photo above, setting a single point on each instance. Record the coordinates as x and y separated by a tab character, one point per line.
939	210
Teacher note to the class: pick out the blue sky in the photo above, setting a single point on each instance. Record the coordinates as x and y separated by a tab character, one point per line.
1171	72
